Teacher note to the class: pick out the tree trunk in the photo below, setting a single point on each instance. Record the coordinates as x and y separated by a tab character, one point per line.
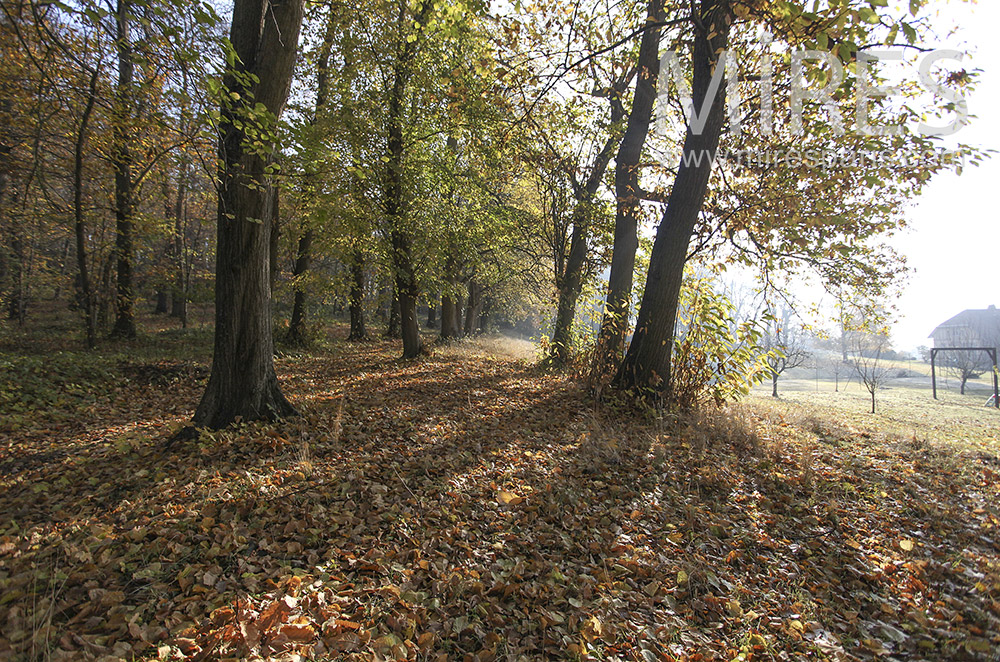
449	318
486	315
161	303
121	161
614	325
392	326
179	293
461	306
412	342
873	400
243	383
407	287
570	283
297	325
86	293
106	296
774	384
358	330
431	314
961	389
303	256
474	308
647	362
17	305
178	303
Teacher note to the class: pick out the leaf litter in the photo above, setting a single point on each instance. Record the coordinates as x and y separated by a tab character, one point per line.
469	507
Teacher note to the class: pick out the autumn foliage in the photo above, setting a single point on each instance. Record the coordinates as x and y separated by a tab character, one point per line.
469	507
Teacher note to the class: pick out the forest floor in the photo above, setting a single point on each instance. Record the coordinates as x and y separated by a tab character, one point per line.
468	506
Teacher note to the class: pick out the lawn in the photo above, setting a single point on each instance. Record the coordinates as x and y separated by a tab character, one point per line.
469	506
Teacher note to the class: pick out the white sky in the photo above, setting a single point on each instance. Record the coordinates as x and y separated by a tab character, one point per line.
954	231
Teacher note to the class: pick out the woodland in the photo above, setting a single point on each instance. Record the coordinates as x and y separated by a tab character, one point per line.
401	331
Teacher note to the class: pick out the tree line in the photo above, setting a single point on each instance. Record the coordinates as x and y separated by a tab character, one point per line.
472	160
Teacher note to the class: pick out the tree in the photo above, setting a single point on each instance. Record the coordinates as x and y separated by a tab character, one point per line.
614	327
577	146
647	361
121	161
869	347
304	249
243	384
781	217
785	346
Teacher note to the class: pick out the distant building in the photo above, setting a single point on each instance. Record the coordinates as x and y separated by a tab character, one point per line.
970	328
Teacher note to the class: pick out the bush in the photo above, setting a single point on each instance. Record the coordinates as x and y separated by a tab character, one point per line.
716	358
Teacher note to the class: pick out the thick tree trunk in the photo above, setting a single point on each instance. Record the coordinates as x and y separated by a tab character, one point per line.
407	287
412	342
358	330
124	188
647	362
617	310
243	384
449	318
474	308
161	303
486	315
562	334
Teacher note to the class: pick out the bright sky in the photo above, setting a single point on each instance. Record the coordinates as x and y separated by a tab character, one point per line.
954	230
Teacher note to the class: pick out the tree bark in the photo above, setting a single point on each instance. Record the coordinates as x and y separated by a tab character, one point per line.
358	330
614	325
124	190
161	303
431	314
297	325
178	306
449	318
407	286
647	362
392	326
243	383
178	295
412	342
474	308
570	283
774	384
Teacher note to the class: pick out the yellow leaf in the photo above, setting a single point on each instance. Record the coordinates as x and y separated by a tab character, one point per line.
906	545
592	629
509	498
